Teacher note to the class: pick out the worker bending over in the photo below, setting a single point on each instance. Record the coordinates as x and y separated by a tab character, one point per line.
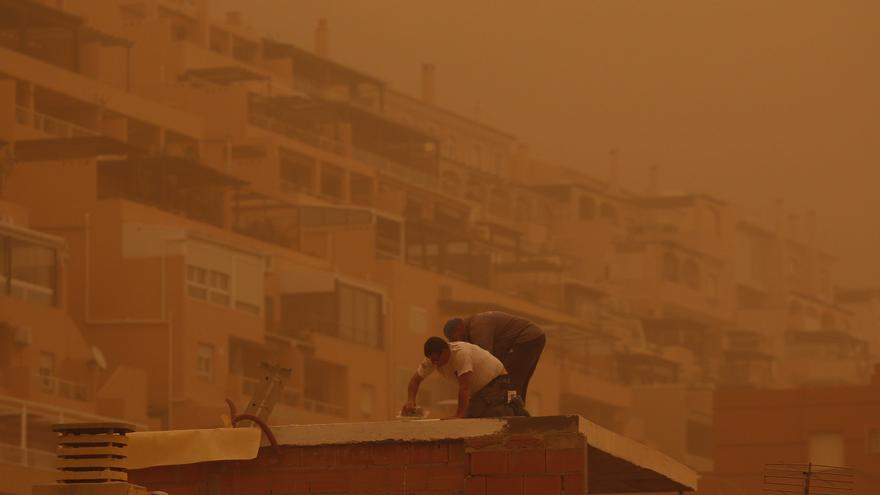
483	383
516	341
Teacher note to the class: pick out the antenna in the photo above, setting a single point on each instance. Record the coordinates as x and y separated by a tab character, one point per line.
807	479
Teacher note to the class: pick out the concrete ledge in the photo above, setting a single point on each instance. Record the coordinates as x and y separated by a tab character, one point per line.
551	454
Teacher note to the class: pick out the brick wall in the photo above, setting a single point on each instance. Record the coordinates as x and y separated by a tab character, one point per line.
513	463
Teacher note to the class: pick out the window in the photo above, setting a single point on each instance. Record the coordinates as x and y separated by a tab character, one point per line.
331	181
699	439
225	277
418	320
46	371
297	171
827	449
361	189
873	445
205	362
359	315
450	183
244	152
670	267
388	238
326	387
690	272
608	212
587	210
368	399
28	271
208	285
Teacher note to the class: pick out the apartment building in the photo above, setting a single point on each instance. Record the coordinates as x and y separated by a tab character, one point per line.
826	426
222	199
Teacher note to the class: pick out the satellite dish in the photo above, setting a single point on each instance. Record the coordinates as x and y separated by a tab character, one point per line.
98	357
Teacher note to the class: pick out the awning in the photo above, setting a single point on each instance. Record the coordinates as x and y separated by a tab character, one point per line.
73	148
195	171
222	75
314	66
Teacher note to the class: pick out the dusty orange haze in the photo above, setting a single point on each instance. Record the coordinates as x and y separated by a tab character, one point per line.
748	99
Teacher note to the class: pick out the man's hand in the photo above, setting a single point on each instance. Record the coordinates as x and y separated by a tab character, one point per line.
409	409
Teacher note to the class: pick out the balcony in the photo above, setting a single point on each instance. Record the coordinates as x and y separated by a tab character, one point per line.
288	130
179	186
290	396
26	436
61	388
52	126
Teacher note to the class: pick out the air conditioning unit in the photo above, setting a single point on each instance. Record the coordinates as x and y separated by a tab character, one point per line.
22	335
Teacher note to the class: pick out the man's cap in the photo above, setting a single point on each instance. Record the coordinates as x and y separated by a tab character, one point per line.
450	327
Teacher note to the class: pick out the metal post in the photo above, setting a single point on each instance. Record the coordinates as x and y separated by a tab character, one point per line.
23	426
807	479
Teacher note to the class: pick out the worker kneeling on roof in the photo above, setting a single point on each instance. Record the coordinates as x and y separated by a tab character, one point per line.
484	388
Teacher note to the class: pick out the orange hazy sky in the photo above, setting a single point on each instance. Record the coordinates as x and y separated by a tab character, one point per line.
747	99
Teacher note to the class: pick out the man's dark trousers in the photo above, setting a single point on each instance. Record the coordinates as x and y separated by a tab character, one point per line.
521	362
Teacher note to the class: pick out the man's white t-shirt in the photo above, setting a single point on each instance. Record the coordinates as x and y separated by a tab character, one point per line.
465	357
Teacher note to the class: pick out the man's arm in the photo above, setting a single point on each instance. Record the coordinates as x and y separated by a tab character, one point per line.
412	391
464	394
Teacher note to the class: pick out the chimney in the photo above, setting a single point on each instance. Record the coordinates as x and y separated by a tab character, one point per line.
234	18
322	38
654	181
614	169
92	452
428	76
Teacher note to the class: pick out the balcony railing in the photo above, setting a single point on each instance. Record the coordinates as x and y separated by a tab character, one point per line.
398	170
285	129
290	396
383	164
14	454
50	125
321	407
22	445
65	389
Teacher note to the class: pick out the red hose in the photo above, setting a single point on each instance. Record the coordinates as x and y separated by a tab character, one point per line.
263	426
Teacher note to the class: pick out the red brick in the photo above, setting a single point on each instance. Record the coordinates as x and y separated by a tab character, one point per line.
415	478
446	478
574	484
291	456
565	461
286	481
504	485
527	461
370	480
486	441
521	441
319	456
488	462
430	453
245	482
457	454
328	481
355	455
398	455
475	485
396	479
542	485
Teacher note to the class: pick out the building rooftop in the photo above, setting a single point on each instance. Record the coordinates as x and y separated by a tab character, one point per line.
612	462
